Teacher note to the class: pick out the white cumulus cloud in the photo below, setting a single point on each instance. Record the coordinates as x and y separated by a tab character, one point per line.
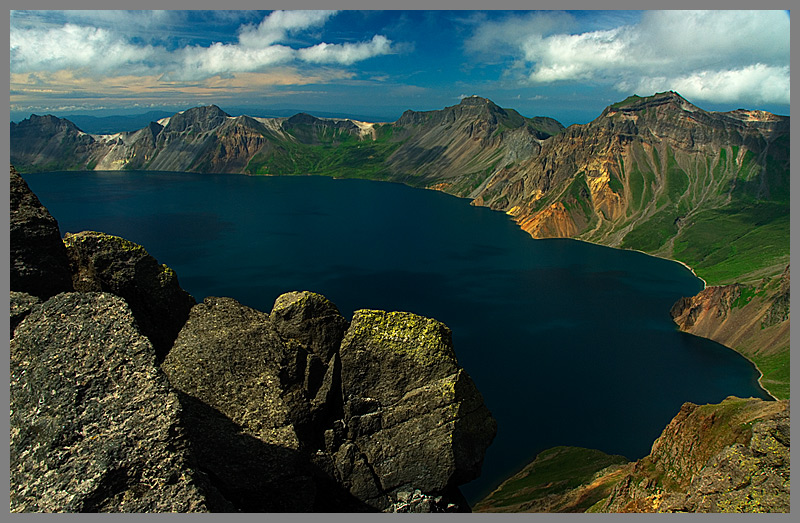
278	24
347	53
723	56
74	46
64	40
225	59
755	84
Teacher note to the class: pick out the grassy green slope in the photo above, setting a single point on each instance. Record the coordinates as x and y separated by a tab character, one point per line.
549	483
338	155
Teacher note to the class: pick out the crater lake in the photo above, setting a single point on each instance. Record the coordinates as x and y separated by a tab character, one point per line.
569	343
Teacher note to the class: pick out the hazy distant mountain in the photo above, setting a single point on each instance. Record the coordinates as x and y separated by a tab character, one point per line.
114	124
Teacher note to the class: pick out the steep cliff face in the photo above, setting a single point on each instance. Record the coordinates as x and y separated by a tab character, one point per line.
455	149
663	176
726	457
656	174
752	319
47	143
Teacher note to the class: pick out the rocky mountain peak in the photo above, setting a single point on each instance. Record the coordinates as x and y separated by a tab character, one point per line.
302	118
197	119
477	100
46	123
669	100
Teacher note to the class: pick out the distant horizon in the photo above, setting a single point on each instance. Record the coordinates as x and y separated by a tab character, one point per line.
567	65
322	112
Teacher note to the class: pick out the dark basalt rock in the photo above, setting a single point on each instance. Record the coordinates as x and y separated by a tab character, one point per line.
102	262
39	264
410	410
94	425
229	357
312	320
391	411
20	305
235	371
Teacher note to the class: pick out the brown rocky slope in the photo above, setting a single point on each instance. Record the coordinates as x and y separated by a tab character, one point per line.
728	457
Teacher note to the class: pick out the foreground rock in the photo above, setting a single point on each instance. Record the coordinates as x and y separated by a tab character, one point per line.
20	305
244	388
105	263
94	425
39	263
351	420
729	457
412	414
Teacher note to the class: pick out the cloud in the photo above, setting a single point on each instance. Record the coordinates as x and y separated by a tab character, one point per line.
121	21
755	84
64	87
575	57
74	46
62	41
225	59
275	27
347	53
503	36
713	55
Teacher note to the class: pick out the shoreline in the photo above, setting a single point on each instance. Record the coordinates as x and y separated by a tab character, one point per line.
705	286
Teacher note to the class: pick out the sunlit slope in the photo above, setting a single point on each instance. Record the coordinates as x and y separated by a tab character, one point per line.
660	175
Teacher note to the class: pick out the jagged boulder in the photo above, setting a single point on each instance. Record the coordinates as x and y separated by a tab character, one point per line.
312	320
336	418
249	412
101	262
39	263
94	425
229	357
411	413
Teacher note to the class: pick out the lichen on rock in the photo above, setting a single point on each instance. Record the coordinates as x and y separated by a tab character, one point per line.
105	263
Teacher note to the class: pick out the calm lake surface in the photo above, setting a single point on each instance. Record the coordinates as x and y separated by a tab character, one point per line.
569	343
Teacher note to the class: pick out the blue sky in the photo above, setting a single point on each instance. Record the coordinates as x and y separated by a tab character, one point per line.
565	64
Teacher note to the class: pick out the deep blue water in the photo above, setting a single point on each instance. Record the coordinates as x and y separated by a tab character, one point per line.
569	343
